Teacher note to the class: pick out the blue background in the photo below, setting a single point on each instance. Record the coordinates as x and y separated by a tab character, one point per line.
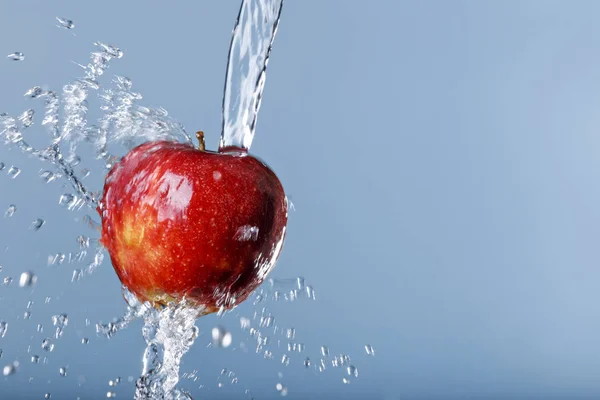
442	157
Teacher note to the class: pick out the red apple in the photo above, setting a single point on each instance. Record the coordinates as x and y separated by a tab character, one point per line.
184	224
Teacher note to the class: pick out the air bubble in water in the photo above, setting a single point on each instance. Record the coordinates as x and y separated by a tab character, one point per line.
307	362
49	396
346	381
13	172
16	56
369	350
62	371
221	337
35	359
7	281
85	340
324	351
285	360
37	224
111	395
65	23
3	328
27	279
10	211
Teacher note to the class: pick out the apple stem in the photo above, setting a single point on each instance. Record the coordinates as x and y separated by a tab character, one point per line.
201	143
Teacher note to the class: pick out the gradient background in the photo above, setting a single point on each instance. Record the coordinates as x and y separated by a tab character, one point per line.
443	160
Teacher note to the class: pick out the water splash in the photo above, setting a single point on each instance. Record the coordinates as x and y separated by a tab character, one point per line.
169	334
249	52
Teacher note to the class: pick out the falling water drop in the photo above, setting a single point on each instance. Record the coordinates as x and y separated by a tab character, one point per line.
48	176
34	92
27	279
60	321
352	371
10	369
221	337
16	56
65	23
37	224
3	328
10	211
47	344
26	118
13	172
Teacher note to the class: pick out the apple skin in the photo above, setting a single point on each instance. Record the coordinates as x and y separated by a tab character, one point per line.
184	224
